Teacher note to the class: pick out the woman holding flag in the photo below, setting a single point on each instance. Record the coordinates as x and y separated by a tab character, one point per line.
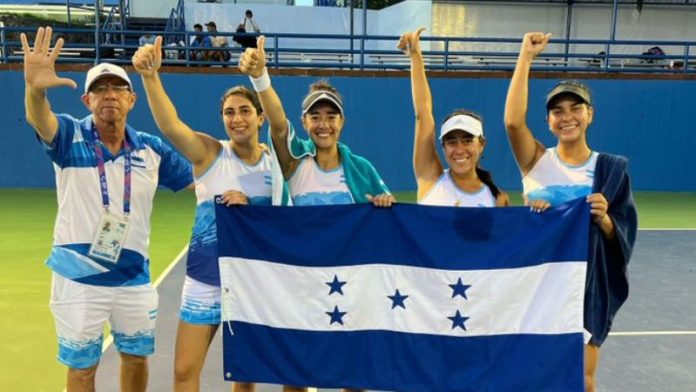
238	169
570	170
321	170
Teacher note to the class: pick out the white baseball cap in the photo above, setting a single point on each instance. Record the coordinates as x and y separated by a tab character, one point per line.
106	69
462	122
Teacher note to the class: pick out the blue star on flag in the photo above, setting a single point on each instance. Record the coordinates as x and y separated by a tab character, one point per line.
458	320
336	316
397	299
336	285
459	289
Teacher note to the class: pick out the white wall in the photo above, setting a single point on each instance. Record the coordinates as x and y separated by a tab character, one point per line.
252	2
152	9
460	19
677	23
512	20
402	17
495	20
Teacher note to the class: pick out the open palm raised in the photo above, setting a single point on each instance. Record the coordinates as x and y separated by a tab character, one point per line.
39	62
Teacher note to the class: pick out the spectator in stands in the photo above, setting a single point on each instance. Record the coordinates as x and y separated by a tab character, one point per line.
218	41
173	51
245	41
145	39
652	55
247	26
200	41
250	25
107	174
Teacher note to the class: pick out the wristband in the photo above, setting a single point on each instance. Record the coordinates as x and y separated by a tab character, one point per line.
262	83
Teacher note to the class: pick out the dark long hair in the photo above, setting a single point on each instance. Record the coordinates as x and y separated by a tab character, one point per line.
483	175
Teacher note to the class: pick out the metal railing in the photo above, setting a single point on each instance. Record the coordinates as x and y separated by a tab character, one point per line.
334	51
176	23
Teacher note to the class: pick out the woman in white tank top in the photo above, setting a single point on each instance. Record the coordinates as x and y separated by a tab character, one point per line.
328	175
226	161
320	170
556	175
463	183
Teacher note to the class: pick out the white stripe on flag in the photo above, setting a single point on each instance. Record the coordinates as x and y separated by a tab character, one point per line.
498	301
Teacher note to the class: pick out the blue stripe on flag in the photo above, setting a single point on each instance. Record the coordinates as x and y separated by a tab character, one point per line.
406	234
404	362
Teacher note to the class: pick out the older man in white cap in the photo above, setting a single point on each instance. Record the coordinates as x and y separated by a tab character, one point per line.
106	177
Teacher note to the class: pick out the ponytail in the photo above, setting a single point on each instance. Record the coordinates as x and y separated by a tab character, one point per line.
486	178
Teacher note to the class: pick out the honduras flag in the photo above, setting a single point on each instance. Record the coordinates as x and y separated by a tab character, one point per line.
408	298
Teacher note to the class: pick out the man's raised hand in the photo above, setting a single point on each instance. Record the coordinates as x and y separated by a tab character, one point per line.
40	61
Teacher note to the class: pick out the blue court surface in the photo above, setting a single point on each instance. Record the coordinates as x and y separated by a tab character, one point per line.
652	346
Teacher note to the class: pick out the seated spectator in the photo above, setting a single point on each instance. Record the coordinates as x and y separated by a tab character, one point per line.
146	39
242	40
598	61
173	51
200	41
652	55
218	42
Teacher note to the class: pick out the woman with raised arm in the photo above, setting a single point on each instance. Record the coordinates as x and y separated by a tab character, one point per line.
552	176
321	170
238	169
463	183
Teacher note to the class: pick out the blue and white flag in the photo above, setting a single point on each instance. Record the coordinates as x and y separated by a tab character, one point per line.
408	298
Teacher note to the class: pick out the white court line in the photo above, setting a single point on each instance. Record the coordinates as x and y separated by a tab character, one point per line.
163	275
110	339
654	333
667	229
171	266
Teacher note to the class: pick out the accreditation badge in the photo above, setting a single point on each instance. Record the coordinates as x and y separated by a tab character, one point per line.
111	234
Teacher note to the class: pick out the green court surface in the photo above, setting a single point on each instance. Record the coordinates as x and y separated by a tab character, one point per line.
28	339
26	224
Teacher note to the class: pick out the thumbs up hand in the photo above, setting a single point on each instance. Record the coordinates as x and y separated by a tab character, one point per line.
253	60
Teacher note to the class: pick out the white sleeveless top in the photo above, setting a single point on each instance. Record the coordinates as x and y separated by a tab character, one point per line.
228	172
312	186
446	193
557	182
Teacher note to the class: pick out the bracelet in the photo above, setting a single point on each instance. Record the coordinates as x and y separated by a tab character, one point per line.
262	83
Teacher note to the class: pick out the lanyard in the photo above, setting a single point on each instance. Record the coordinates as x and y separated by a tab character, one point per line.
99	152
